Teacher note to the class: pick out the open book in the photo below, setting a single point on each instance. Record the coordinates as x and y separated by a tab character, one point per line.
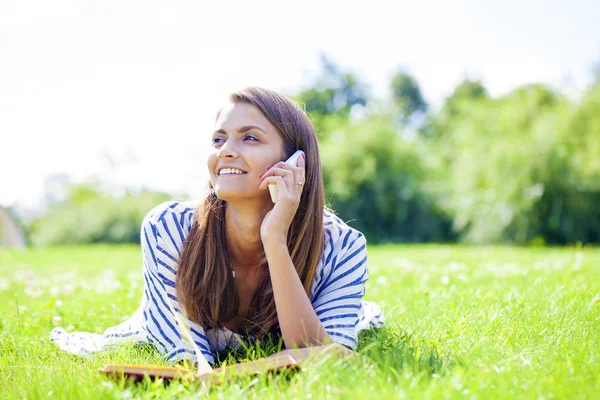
287	359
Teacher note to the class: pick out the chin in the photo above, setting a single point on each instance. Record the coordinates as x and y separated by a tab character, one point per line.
241	195
229	194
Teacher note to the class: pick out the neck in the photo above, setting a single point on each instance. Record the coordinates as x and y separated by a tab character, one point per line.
242	229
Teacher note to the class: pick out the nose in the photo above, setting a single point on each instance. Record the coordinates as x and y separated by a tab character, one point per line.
227	150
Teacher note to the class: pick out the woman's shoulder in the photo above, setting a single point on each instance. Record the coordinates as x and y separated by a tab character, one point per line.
172	214
339	236
344	256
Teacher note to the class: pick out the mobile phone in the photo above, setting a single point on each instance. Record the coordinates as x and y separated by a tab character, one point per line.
293	160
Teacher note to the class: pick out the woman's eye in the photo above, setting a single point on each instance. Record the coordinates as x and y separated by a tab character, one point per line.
250	137
217	140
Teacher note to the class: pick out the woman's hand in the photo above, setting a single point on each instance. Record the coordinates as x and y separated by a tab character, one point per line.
289	181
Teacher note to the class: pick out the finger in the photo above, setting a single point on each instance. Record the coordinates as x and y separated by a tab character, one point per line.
287	175
274	180
300	174
276	165
298	171
277	171
284	165
301	162
271	180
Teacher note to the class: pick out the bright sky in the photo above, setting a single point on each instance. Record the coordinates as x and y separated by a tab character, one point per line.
143	79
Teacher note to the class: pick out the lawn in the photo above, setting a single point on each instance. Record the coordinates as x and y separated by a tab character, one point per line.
462	322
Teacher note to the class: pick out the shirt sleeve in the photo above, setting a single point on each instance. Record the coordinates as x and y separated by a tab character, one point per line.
341	286
162	240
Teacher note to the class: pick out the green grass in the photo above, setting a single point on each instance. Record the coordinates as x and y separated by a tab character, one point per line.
462	322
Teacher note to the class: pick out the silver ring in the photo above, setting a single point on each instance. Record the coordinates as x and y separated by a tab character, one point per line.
300	183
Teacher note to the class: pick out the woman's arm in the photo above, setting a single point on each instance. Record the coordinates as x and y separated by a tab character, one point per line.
162	242
333	312
340	283
298	321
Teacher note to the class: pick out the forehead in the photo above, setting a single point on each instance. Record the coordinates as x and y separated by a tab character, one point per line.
235	115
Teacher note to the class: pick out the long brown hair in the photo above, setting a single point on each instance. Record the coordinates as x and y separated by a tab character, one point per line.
204	282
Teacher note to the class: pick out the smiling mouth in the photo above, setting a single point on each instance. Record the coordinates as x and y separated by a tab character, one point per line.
231	171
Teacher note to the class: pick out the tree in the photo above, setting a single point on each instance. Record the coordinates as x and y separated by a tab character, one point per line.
407	97
502	169
376	180
465	95
335	93
90	215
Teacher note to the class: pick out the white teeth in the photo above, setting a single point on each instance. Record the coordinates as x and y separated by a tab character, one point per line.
229	171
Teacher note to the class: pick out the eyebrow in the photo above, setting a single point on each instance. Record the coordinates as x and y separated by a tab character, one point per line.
243	129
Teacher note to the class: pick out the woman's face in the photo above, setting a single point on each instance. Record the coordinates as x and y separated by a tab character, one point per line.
244	145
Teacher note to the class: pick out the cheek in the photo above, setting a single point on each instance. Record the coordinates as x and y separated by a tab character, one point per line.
211	164
272	157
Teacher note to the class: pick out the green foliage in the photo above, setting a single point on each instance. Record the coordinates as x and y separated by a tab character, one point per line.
511	167
466	95
89	215
376	180
581	140
522	168
335	93
569	207
407	96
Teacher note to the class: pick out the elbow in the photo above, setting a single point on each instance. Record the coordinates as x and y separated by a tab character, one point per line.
304	341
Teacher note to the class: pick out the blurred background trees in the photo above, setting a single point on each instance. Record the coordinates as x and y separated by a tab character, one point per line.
90	214
522	168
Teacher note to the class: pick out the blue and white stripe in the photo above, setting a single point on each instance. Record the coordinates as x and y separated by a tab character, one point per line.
336	295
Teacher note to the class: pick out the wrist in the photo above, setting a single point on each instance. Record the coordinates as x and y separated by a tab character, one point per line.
275	244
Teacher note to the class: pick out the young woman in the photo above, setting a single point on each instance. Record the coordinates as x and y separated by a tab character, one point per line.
235	263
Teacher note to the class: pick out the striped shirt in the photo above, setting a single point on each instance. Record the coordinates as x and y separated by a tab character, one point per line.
336	294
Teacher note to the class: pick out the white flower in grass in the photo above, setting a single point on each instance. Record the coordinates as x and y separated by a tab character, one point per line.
66	277
381	280
54	290
107	282
68	288
20	275
455	266
402	262
33	291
